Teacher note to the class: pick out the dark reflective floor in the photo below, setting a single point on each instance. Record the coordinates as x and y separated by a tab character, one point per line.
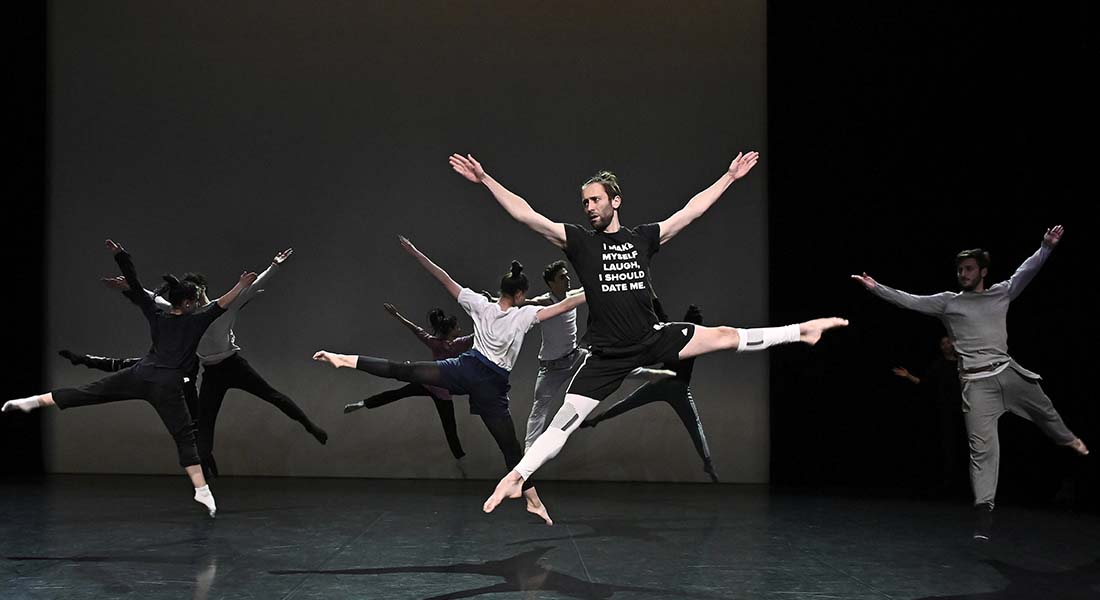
142	537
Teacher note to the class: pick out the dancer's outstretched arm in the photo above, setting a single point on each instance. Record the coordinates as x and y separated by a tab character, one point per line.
249	292
928	305
130	278
119	283
441	276
706	198
417	330
566	305
247	279
546	299
905	374
1030	267
468	167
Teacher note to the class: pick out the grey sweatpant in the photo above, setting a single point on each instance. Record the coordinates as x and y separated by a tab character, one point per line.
551	379
984	401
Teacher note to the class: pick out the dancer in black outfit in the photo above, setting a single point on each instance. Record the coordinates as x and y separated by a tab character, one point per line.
224	368
158	377
444	343
676	391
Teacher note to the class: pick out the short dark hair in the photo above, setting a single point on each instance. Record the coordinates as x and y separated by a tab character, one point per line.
551	271
609	181
197	278
442	323
514	280
979	255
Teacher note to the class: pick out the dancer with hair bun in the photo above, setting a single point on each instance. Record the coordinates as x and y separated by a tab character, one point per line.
481	373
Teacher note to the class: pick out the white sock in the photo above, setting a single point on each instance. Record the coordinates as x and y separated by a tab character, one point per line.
751	340
204	496
24	404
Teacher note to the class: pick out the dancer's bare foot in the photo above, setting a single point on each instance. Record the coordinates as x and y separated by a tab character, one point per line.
810	331
336	360
535	505
1079	446
24	404
354	406
509	487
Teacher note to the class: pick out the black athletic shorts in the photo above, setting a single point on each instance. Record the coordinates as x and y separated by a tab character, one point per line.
605	368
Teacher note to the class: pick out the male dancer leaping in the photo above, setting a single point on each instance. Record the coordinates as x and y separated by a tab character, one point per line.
612	263
992	382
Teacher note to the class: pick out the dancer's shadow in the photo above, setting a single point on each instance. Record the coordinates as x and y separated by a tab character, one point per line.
520	573
630	529
1077	583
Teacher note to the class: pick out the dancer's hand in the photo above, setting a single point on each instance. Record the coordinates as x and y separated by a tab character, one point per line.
116	283
1053	236
281	257
743	164
468	167
247	278
390	308
407	245
867	281
113	247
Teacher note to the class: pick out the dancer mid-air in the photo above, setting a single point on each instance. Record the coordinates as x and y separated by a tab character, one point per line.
612	262
223	367
444	342
158	377
481	373
992	382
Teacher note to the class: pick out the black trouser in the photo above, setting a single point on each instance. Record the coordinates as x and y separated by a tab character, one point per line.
429	373
113	365
167	399
235	373
445	408
504	434
678	395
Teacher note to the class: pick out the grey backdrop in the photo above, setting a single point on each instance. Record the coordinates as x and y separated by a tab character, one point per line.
207	136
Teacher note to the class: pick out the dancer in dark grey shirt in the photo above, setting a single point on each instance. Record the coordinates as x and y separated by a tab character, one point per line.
992	382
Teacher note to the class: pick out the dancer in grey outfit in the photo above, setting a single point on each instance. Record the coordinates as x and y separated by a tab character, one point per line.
992	382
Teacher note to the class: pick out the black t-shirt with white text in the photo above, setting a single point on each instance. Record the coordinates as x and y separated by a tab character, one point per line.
613	268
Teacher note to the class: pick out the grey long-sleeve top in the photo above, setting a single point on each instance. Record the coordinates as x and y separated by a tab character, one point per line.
975	321
219	342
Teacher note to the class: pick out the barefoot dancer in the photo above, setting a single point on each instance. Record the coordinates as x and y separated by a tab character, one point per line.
481	373
444	343
675	390
612	262
158	377
992	382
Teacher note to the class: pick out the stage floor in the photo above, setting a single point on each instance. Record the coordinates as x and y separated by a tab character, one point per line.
142	537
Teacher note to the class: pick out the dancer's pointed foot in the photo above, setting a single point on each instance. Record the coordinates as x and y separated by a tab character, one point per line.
317	432
536	507
24	404
590	423
69	356
204	497
1079	446
354	406
810	331
509	487
708	467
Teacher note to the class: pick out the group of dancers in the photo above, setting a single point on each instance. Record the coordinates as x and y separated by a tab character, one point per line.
628	335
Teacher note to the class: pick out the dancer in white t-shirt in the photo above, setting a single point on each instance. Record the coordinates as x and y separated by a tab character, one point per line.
481	373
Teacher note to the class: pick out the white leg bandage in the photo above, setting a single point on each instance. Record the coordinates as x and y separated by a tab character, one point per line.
752	340
569	417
